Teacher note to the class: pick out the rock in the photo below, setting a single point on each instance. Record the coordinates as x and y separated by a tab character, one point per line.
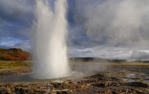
87	85
114	84
115	92
114	79
100	84
57	85
66	91
4	90
79	87
138	84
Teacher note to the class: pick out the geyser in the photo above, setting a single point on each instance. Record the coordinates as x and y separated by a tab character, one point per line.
48	35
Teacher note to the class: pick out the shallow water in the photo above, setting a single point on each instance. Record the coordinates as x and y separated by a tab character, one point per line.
27	78
79	70
130	81
146	81
131	75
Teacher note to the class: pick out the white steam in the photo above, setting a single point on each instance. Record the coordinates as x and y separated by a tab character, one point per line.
113	22
49	47
116	24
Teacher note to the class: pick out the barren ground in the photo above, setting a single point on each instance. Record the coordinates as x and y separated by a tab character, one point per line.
107	78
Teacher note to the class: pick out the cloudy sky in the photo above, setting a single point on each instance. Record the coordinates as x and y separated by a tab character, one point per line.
16	17
94	25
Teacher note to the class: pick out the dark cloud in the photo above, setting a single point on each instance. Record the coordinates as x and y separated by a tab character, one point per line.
16	16
16	10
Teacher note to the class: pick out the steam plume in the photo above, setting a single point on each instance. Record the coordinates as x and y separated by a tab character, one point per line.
115	24
49	47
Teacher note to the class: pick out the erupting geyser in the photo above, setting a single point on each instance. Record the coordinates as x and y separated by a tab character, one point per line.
49	46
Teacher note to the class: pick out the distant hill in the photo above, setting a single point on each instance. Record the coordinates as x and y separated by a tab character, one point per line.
95	59
13	54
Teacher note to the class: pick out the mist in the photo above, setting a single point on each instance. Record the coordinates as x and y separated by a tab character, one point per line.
105	25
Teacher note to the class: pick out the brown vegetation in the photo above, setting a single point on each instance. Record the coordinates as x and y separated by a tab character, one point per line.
13	54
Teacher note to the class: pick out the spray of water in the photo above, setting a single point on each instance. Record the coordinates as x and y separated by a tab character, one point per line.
48	35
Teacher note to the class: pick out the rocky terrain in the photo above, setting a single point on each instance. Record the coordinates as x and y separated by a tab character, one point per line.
114	80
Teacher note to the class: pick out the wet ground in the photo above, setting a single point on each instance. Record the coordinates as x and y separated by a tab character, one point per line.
88	78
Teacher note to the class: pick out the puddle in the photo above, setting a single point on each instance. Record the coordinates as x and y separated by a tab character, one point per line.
146	81
125	79
49	84
107	81
66	90
28	78
58	81
46	90
144	74
130	81
131	75
54	91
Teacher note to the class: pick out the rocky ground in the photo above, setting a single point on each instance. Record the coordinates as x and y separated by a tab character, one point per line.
114	80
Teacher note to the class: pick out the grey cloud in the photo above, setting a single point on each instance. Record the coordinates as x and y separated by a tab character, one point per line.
15	19
16	9
114	22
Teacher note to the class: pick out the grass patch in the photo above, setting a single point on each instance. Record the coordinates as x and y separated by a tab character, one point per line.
13	64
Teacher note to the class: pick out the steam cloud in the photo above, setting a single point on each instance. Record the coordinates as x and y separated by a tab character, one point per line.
116	22
49	47
113	23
